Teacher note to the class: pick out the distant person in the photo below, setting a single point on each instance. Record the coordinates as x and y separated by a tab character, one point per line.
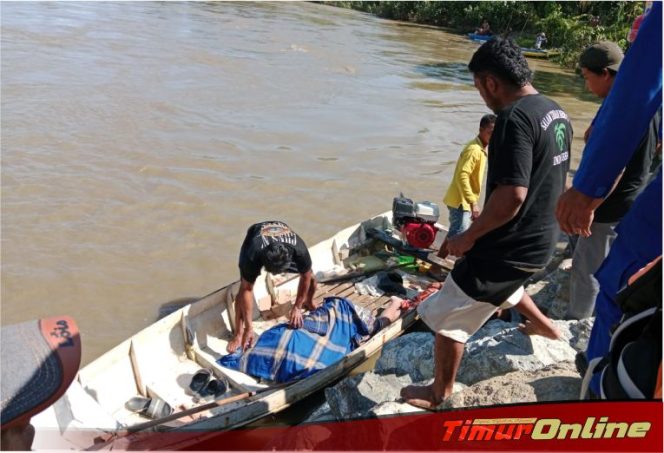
516	232
274	246
484	28
40	359
540	40
463	195
599	65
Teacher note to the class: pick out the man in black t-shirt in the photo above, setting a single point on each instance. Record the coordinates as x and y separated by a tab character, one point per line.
600	63
516	233
276	247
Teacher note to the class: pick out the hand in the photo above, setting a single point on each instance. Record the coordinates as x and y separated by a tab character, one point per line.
474	211
460	244
295	318
575	212
247	338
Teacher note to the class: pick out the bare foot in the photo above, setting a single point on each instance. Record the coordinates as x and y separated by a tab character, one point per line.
548	331
393	310
234	343
422	396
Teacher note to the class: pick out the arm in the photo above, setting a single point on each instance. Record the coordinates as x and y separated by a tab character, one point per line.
468	161
305	293
575	210
501	207
245	306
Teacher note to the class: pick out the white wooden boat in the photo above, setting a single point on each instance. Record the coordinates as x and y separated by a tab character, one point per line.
160	361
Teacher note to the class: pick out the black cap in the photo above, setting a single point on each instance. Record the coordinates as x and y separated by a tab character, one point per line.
601	55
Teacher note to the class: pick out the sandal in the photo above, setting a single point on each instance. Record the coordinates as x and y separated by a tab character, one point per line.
158	408
200	380
150	407
214	388
137	404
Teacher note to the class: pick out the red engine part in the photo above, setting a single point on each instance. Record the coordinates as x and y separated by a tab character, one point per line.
420	235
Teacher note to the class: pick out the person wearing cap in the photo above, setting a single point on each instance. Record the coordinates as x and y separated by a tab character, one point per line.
276	247
599	65
635	97
39	360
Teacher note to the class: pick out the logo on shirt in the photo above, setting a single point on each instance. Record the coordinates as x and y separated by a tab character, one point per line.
559	130
277	232
551	117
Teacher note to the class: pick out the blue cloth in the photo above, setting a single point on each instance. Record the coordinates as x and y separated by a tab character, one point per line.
283	354
633	100
639	242
459	221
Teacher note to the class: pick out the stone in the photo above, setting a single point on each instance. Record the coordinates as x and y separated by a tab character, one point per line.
322	414
500	347
355	396
393	408
580	333
410	354
557	382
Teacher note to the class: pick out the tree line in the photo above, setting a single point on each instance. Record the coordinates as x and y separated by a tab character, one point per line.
569	26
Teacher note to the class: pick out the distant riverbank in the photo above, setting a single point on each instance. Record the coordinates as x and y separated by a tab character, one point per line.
569	26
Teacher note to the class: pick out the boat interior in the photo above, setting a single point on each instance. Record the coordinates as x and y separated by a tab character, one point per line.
160	361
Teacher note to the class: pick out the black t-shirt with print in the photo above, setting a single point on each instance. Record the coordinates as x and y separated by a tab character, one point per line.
530	147
634	178
259	236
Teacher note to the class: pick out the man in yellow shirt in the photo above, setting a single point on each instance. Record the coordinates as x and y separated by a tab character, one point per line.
463	195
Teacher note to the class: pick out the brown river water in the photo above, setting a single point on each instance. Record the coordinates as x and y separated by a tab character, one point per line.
140	140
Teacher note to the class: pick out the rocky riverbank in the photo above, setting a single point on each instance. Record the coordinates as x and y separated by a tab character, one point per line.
501	365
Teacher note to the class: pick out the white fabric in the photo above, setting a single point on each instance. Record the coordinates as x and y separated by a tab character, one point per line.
453	314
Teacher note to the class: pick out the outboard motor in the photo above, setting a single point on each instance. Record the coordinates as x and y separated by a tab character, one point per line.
415	221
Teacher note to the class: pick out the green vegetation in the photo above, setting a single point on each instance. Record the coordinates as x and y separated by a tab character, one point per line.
569	26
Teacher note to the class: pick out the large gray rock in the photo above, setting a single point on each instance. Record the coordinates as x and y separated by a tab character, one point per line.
322	414
371	394
500	348
410	355
355	396
393	408
559	382
497	348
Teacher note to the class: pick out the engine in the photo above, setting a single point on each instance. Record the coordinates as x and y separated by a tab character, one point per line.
415	221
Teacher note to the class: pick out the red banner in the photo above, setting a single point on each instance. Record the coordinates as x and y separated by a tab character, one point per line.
579	426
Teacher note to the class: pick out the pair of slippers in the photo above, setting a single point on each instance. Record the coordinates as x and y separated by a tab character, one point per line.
154	408
204	384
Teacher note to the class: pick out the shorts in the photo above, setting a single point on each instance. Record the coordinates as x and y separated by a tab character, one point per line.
489	280
452	314
455	314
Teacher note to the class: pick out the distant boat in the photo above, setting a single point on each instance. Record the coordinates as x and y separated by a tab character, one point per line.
539	53
527	51
479	38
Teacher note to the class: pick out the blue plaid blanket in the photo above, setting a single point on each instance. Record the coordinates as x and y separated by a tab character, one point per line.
283	354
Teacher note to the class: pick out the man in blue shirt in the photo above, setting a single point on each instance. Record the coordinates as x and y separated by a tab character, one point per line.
634	98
